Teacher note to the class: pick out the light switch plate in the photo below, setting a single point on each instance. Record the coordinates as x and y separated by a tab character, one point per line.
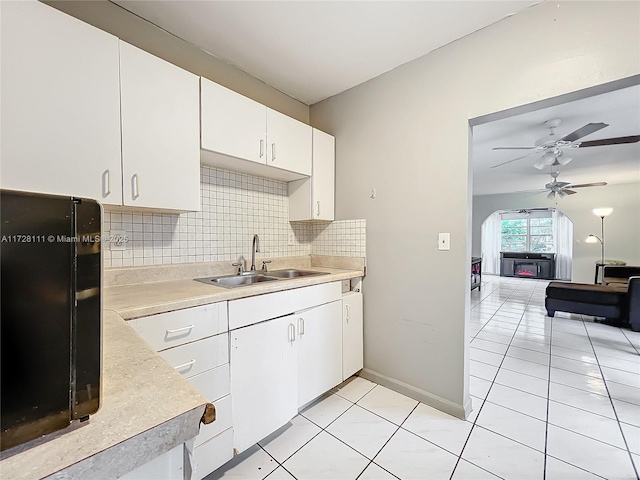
292	239
444	241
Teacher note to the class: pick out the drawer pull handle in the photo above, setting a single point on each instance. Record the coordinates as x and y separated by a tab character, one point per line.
182	329
301	326
348	312
184	365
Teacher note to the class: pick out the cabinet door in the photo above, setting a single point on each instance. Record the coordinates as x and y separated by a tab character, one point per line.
319	334
323	176
352	335
60	104
313	198
232	124
264	373
160	132
289	143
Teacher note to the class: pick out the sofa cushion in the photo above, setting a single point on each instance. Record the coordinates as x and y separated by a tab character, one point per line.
614	294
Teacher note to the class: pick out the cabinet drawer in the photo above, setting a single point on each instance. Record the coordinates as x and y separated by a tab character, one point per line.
221	423
213	384
171	329
248	311
212	454
194	358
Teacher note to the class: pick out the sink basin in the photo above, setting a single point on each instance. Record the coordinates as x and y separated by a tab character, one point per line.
231	281
292	273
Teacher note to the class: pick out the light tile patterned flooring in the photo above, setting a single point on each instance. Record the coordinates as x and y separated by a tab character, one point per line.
553	399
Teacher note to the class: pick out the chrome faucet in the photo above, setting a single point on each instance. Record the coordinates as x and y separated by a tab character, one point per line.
255	248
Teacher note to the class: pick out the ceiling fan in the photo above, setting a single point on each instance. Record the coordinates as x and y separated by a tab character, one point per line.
562	189
553	147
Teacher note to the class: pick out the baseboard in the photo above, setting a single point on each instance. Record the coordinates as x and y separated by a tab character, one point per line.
442	404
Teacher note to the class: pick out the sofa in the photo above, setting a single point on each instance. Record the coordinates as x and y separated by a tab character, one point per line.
617	299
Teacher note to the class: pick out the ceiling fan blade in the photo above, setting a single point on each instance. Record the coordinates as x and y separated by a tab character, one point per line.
569	192
513	160
596	184
538	190
584	131
515	148
611	141
562	184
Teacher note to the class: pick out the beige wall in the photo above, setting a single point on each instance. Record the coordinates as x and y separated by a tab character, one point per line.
622	228
406	133
132	29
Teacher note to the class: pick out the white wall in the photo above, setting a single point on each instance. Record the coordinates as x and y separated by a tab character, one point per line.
622	228
406	133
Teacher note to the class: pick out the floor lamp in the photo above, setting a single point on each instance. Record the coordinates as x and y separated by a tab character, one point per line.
600	212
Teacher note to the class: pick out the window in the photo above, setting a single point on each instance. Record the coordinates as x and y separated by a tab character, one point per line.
527	234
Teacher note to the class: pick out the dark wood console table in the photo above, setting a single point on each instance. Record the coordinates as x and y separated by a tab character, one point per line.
476	273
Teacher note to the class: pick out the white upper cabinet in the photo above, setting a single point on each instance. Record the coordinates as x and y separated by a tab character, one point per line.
312	199
289	143
232	124
160	132
240	134
60	104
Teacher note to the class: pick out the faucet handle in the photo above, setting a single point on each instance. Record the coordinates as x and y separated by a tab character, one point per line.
264	265
240	266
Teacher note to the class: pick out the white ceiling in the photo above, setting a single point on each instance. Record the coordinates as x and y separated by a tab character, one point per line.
312	50
611	164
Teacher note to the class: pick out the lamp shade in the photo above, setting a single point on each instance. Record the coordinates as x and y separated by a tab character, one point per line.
591	239
563	160
602	212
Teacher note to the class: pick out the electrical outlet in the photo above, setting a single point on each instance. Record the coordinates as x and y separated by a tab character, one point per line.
118	240
292	239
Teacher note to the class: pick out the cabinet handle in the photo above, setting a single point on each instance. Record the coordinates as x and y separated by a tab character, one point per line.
188	364
135	186
273	152
176	330
301	326
318	207
106	183
261	148
292	332
347	307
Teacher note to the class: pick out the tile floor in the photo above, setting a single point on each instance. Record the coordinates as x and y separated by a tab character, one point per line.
553	399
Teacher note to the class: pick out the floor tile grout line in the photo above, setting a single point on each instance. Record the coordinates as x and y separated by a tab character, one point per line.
473	426
629	340
546	426
615	412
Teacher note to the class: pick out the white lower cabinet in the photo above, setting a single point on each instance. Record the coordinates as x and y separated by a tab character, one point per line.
352	334
212	454
180	338
168	466
264	375
319	337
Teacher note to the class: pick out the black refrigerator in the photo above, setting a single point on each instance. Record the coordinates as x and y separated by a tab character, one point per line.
51	313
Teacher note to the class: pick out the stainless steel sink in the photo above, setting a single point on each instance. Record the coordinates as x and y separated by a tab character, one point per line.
231	281
293	273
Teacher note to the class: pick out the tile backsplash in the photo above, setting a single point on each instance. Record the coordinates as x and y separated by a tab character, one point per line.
234	207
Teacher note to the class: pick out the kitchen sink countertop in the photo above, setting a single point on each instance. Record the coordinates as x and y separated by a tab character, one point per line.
138	300
147	409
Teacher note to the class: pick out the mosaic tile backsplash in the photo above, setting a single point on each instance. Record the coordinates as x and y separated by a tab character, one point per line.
234	207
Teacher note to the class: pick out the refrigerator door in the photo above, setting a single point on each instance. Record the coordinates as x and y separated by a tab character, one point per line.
37	256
